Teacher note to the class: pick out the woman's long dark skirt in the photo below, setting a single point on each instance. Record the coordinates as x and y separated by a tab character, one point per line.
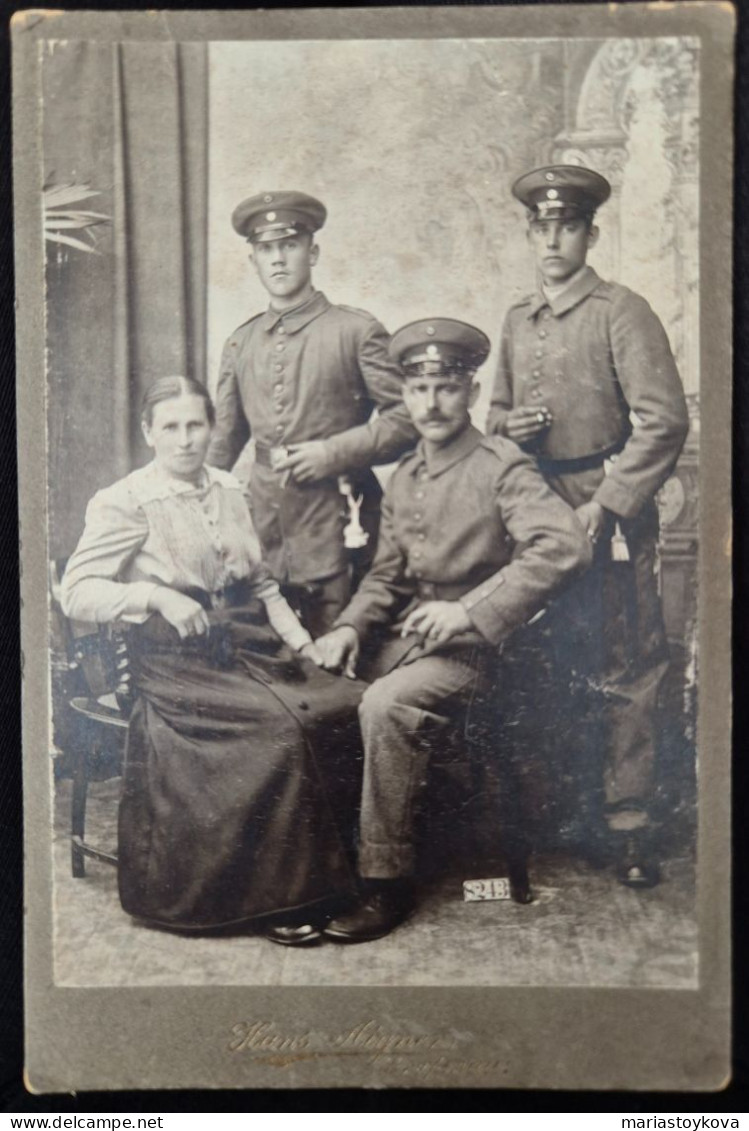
241	778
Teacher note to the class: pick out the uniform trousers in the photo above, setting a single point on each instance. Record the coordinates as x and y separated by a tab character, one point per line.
318	603
584	693
405	715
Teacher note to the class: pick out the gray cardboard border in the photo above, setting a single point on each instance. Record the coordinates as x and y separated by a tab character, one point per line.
82	1039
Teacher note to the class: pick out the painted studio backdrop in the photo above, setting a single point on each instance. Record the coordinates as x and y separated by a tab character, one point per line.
413	146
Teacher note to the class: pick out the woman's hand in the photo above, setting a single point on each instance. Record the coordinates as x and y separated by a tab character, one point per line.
312	652
181	612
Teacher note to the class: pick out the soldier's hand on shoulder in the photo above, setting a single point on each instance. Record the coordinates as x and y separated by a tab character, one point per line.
339	650
307	462
522	424
437	621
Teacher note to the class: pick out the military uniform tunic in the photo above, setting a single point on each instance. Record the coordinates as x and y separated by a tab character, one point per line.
473	521
316	372
598	357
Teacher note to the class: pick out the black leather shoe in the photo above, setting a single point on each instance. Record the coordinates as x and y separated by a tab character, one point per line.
387	904
637	865
301	934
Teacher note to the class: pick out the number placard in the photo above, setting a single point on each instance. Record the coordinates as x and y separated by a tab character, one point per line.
475	891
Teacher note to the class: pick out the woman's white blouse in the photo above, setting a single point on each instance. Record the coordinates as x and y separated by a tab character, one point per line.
148	530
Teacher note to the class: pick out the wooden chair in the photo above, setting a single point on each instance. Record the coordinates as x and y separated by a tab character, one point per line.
97	663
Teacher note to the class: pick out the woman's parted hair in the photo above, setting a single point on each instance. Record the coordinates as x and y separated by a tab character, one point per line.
167	388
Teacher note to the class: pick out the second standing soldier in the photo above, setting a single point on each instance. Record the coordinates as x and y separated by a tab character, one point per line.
588	384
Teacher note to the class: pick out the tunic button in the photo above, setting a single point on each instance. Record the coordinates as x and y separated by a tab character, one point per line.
417	515
279	429
539	353
536	373
542	333
280	346
281	329
278	367
416	554
279	387
536	394
422	537
419	494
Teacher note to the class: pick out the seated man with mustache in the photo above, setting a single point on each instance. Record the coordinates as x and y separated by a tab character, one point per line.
473	543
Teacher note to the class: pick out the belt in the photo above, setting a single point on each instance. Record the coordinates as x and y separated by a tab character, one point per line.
570	466
232	596
270	457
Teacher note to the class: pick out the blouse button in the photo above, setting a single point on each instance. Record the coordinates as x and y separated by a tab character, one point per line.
279	387
281	329
417	515
539	353
416	553
279	429
536	373
280	346
279	367
542	333
536	394
280	407
422	536
419	494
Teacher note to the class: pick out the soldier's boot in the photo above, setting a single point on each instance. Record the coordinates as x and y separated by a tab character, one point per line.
385	905
637	863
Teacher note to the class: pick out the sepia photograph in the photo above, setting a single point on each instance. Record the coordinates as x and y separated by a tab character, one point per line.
373	380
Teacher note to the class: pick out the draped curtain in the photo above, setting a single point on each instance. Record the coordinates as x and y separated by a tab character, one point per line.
128	122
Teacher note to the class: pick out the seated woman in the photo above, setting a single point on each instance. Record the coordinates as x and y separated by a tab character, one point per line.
228	802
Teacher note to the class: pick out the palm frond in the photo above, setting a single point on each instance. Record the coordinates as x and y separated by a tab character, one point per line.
60	217
71	241
55	196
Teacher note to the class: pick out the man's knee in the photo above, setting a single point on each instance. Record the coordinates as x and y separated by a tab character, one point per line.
377	702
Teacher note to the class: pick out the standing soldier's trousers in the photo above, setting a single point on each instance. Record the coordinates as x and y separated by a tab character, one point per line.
592	669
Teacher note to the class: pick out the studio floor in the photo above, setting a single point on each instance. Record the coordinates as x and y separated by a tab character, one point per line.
583	929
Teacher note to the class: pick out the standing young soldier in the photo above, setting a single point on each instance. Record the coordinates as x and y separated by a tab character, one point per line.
303	379
588	384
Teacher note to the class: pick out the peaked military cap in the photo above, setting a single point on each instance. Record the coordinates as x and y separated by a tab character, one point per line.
433	346
561	192
275	215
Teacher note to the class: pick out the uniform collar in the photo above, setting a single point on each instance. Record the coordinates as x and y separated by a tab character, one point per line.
584	283
298	317
442	458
